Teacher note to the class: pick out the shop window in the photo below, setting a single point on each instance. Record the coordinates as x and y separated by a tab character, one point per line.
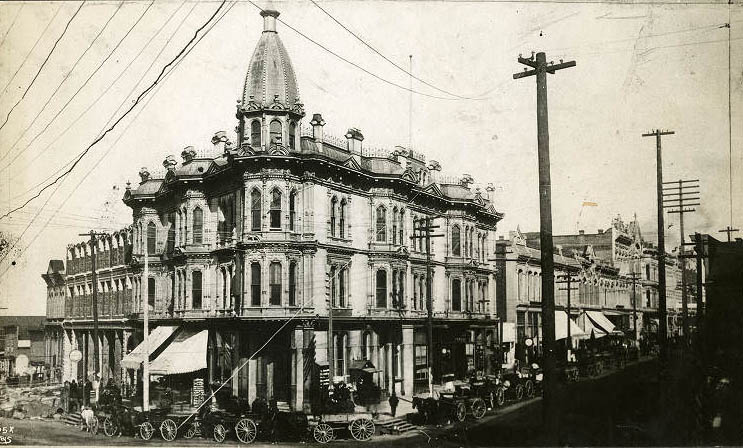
421	362
275	283
381	288
255	284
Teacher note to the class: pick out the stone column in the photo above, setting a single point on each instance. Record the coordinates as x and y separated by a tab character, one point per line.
388	367
408	360
298	368
252	372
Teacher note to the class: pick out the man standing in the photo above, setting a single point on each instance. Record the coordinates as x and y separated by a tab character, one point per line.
393	403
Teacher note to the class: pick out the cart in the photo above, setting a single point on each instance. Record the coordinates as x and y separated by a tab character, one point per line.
325	427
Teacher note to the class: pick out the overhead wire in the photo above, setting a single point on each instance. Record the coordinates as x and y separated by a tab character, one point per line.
38	39
379	53
43	64
135	103
110	85
61	83
12	24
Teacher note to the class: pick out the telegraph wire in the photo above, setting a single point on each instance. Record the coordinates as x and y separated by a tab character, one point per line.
41	67
347	61
110	85
38	39
59	86
386	58
12	24
135	103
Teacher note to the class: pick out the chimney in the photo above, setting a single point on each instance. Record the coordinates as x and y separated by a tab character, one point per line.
581	232
188	154
317	130
170	163
354	137
600	231
269	20
144	174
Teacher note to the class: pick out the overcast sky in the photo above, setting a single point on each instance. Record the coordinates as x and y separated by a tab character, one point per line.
640	66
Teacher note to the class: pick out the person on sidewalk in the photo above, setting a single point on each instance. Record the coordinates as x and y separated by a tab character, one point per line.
393	403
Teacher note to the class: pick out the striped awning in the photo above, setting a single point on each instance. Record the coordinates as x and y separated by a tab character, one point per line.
187	353
157	337
561	326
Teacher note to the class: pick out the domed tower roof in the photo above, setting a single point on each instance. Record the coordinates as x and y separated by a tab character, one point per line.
270	77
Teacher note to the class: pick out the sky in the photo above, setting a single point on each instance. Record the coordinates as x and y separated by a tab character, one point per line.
640	66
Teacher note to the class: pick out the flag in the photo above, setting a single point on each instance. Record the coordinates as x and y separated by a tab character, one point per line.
590	204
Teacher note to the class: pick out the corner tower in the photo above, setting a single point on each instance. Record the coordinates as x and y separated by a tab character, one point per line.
270	109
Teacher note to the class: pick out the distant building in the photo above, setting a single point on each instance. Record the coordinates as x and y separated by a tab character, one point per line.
23	345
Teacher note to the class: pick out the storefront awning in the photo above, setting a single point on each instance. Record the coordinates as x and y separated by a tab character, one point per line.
187	353
159	335
598	319
561	326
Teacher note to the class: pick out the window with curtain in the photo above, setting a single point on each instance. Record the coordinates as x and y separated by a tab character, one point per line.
276	209
342	219
196	290
456	246
255	210
275	283
275	132
456	295
381	288
292	210
198	226
151	237
255	133
255	284
381	224
333	211
292	283
292	134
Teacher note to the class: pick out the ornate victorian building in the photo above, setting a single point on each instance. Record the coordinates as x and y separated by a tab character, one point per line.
264	234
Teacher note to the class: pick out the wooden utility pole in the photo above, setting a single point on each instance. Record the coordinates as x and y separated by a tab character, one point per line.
94	281
569	281
331	348
679	196
634	276
424	233
146	312
540	68
729	230
662	311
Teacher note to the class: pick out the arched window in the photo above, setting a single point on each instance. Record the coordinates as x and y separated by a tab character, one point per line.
342	288
151	237
255	284
292	210
402	227
333	212
276	209
456	246
255	133
275	132
456	295
471	237
394	225
342	219
198	226
292	283
381	224
275	283
415	292
196	290
333	286
401	289
292	134
171	233
255	210
466	235
422	282
381	288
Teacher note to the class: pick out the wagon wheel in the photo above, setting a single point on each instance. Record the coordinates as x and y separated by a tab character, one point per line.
168	430
478	408
323	433
109	427
146	430
219	433
362	429
500	396
519	391
460	412
191	431
529	388
246	430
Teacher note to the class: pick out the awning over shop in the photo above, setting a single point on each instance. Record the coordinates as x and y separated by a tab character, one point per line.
362	365
590	328
187	353
157	336
598	318
561	326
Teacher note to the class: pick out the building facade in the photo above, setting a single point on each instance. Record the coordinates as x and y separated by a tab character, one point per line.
22	346
256	243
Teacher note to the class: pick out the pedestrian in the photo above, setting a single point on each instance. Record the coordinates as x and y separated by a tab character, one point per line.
66	397
74	403
393	403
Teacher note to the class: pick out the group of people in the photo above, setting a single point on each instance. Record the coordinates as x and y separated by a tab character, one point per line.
75	395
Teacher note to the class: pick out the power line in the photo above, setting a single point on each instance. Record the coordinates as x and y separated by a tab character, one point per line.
110	85
407	72
38	39
136	102
43	64
374	75
12	24
59	86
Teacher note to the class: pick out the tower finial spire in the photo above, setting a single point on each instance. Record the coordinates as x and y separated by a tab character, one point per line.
269	19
